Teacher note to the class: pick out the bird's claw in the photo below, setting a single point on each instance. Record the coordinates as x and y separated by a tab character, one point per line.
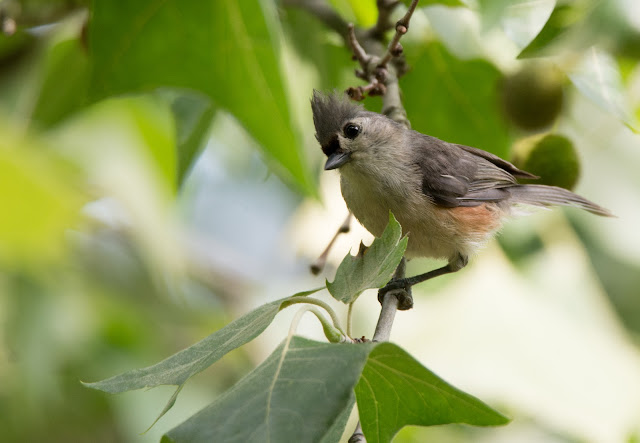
400	291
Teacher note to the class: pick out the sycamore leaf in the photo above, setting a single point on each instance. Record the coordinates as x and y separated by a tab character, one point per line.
557	27
598	78
395	390
522	20
451	3
226	49
178	368
453	91
304	392
372	268
40	203
193	114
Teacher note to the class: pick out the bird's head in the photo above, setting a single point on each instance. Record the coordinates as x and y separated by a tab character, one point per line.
345	131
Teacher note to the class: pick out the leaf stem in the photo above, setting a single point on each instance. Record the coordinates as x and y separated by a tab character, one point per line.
314	301
332	334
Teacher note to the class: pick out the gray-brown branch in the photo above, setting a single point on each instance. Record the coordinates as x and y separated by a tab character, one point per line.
381	65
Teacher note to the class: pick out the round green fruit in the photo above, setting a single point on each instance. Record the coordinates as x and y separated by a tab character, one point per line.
552	157
533	97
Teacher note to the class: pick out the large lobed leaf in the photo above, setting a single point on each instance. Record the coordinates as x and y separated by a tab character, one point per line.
304	392
40	202
395	390
451	3
301	393
558	25
455	100
64	82
522	20
193	114
579	25
178	368
227	49
598	78
371	269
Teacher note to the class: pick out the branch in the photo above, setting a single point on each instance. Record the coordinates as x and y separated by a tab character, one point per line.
374	59
389	307
387	315
383	24
358	435
323	12
358	51
395	48
320	262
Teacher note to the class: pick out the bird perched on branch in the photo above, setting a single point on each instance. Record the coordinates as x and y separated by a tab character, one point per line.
450	199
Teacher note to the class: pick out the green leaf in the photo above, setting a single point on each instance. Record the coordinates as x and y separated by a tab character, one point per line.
458	29
226	49
301	393
193	114
313	44
141	125
372	269
395	390
65	80
40	202
579	25
363	12
178	368
598	78
557	26
452	3
336	430
522	20
304	392
13	46
458	101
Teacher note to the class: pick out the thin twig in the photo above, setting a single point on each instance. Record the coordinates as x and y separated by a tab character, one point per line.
402	26
383	24
318	265
376	69
358	51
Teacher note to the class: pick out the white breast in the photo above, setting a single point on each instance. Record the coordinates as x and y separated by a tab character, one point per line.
370	199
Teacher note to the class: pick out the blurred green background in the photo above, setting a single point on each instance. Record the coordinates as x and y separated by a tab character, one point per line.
159	176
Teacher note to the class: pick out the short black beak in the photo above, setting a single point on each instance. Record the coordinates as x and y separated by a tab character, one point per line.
337	159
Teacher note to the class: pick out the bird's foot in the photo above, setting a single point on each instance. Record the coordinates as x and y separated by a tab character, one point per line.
400	289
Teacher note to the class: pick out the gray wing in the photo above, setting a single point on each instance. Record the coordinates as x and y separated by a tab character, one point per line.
457	175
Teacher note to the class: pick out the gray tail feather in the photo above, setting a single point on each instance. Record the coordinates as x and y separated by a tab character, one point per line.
542	195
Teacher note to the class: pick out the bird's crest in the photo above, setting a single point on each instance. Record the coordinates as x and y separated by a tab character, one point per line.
330	112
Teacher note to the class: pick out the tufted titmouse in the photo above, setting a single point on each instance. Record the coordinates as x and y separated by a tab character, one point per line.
449	198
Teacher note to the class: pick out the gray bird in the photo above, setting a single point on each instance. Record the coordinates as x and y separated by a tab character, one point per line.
450	199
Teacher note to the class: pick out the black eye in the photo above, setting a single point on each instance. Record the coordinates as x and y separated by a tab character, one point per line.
351	131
